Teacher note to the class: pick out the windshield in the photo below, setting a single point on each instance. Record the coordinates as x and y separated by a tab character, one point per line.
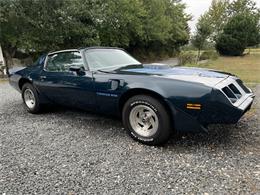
108	58
40	60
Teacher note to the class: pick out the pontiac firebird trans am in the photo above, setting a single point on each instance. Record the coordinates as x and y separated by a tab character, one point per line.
152	99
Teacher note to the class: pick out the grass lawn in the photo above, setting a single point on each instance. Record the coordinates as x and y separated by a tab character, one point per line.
246	67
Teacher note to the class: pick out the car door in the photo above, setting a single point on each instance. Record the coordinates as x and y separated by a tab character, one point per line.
64	86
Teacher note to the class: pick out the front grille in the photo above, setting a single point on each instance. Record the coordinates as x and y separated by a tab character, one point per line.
235	90
240	83
230	94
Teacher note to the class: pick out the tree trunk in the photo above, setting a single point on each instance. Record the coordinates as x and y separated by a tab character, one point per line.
8	61
198	57
2	71
8	55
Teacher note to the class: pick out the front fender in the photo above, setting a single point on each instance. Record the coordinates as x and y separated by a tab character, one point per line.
14	81
177	95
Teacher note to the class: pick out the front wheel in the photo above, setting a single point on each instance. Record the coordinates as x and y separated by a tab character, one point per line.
30	98
146	120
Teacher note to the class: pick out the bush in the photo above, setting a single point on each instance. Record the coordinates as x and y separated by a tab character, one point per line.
241	31
148	55
229	46
209	55
187	57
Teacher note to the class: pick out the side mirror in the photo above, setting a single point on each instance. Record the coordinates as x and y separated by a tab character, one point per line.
79	70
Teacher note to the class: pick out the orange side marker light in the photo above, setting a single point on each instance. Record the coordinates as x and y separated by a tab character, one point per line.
193	106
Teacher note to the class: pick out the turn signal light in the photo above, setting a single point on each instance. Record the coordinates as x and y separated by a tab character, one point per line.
193	106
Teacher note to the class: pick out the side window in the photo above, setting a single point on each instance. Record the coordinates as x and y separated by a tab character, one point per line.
61	62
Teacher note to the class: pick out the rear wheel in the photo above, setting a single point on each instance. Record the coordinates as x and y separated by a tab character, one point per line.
146	120
30	98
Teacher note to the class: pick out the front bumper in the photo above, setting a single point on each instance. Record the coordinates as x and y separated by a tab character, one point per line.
246	105
226	108
217	109
212	113
220	114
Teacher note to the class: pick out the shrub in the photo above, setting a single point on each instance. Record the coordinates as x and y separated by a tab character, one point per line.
206	55
241	31
229	46
187	57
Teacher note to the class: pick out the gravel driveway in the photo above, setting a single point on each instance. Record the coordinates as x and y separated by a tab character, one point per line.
75	152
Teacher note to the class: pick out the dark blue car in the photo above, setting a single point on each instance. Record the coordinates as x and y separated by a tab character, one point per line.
154	100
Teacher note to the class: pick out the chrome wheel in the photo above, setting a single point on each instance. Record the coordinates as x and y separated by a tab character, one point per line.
29	98
144	120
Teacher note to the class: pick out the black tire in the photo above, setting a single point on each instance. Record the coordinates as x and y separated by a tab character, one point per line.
163	132
37	106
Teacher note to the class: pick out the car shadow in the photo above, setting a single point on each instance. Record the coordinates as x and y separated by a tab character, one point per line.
217	136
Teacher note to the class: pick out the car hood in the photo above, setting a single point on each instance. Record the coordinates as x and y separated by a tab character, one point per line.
199	75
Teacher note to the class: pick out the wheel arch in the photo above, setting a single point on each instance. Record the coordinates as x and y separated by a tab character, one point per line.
22	81
141	91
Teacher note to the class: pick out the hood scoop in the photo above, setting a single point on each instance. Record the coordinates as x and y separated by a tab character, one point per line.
156	66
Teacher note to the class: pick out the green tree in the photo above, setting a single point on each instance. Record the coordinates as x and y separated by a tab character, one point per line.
59	24
203	31
165	26
242	30
217	17
120	22
143	24
44	25
221	11
229	46
180	32
10	25
37	26
242	6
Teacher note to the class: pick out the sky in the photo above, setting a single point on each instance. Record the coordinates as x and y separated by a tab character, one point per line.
197	8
